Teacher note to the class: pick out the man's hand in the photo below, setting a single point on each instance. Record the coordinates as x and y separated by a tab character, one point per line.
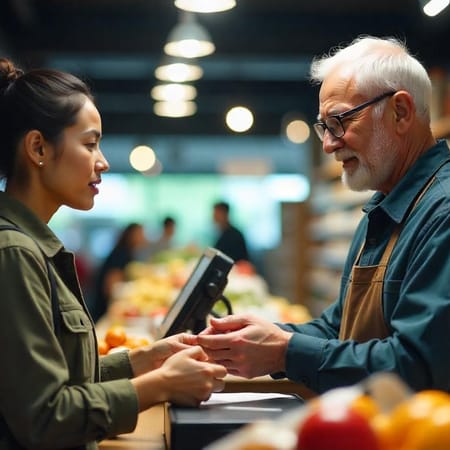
246	345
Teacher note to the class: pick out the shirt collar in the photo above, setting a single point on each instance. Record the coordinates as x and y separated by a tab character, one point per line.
398	202
22	217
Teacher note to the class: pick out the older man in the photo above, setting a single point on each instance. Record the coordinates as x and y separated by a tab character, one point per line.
393	310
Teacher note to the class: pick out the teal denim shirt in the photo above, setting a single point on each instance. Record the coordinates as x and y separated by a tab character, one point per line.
416	292
55	392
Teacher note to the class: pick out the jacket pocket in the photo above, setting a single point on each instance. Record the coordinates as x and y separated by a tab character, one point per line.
77	341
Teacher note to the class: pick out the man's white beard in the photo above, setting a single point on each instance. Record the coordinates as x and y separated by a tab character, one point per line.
378	166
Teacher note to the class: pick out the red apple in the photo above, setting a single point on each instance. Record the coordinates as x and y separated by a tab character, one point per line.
339	428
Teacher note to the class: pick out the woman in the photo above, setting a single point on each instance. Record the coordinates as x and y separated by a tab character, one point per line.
54	390
112	271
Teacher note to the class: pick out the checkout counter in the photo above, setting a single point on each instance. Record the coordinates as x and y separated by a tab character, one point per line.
189	311
149	432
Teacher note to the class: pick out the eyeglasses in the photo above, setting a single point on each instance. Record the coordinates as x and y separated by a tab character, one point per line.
334	123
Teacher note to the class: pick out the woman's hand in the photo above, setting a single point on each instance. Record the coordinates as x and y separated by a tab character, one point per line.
152	356
185	378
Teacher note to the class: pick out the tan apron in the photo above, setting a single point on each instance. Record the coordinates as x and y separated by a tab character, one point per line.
362	317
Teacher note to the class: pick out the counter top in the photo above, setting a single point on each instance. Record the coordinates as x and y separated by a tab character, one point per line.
149	429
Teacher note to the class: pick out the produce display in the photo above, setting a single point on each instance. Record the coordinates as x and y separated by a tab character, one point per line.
153	287
378	414
116	338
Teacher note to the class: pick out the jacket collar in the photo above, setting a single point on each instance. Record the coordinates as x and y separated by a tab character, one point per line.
15	212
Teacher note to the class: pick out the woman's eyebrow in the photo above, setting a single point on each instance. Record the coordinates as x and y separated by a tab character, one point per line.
96	133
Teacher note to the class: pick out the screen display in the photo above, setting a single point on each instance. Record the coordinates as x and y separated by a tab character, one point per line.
197	298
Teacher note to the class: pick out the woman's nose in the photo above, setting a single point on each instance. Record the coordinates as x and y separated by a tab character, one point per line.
102	163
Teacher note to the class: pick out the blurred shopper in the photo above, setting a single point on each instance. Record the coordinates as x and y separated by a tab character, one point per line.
393	311
230	241
55	392
112	271
164	241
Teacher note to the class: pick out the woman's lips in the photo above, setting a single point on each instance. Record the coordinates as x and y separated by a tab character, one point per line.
94	187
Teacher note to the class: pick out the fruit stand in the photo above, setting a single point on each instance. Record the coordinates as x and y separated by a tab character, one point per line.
139	304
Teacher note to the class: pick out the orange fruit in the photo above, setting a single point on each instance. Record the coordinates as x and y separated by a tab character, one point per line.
411	413
382	425
136	342
366	406
433	433
103	347
115	336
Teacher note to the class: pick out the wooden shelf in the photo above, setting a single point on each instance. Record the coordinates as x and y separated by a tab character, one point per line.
441	127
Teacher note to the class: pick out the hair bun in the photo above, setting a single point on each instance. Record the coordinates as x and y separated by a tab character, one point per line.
8	72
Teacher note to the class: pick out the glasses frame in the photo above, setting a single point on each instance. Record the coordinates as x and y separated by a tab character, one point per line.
321	126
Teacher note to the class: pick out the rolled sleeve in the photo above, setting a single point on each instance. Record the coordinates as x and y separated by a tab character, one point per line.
115	366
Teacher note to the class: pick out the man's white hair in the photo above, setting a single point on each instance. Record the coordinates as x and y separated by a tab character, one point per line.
378	65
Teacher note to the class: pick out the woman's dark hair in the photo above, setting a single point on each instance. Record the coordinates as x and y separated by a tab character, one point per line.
41	99
124	239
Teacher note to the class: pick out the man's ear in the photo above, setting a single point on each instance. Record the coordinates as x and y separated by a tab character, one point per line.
34	147
404	111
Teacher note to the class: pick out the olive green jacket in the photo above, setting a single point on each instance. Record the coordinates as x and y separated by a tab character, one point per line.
54	390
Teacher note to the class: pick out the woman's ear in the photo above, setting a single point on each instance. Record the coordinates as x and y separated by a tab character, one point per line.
404	111
34	147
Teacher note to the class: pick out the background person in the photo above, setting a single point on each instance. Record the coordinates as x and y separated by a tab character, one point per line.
393	310
112	271
230	241
168	231
55	392
164	241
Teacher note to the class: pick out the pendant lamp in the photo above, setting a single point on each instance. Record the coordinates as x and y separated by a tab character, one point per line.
433	7
189	39
205	6
178	70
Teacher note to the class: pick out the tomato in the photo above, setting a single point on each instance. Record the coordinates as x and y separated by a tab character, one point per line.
340	428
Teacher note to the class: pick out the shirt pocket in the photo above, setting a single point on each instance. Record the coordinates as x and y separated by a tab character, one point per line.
391	294
77	341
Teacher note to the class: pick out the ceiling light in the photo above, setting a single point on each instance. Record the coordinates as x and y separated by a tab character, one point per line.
173	92
433	7
142	158
178	70
189	39
239	119
205	6
156	169
174	109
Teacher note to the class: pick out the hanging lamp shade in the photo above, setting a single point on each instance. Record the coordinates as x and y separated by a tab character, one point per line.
178	70
205	6
189	39
175	109
173	92
433	7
